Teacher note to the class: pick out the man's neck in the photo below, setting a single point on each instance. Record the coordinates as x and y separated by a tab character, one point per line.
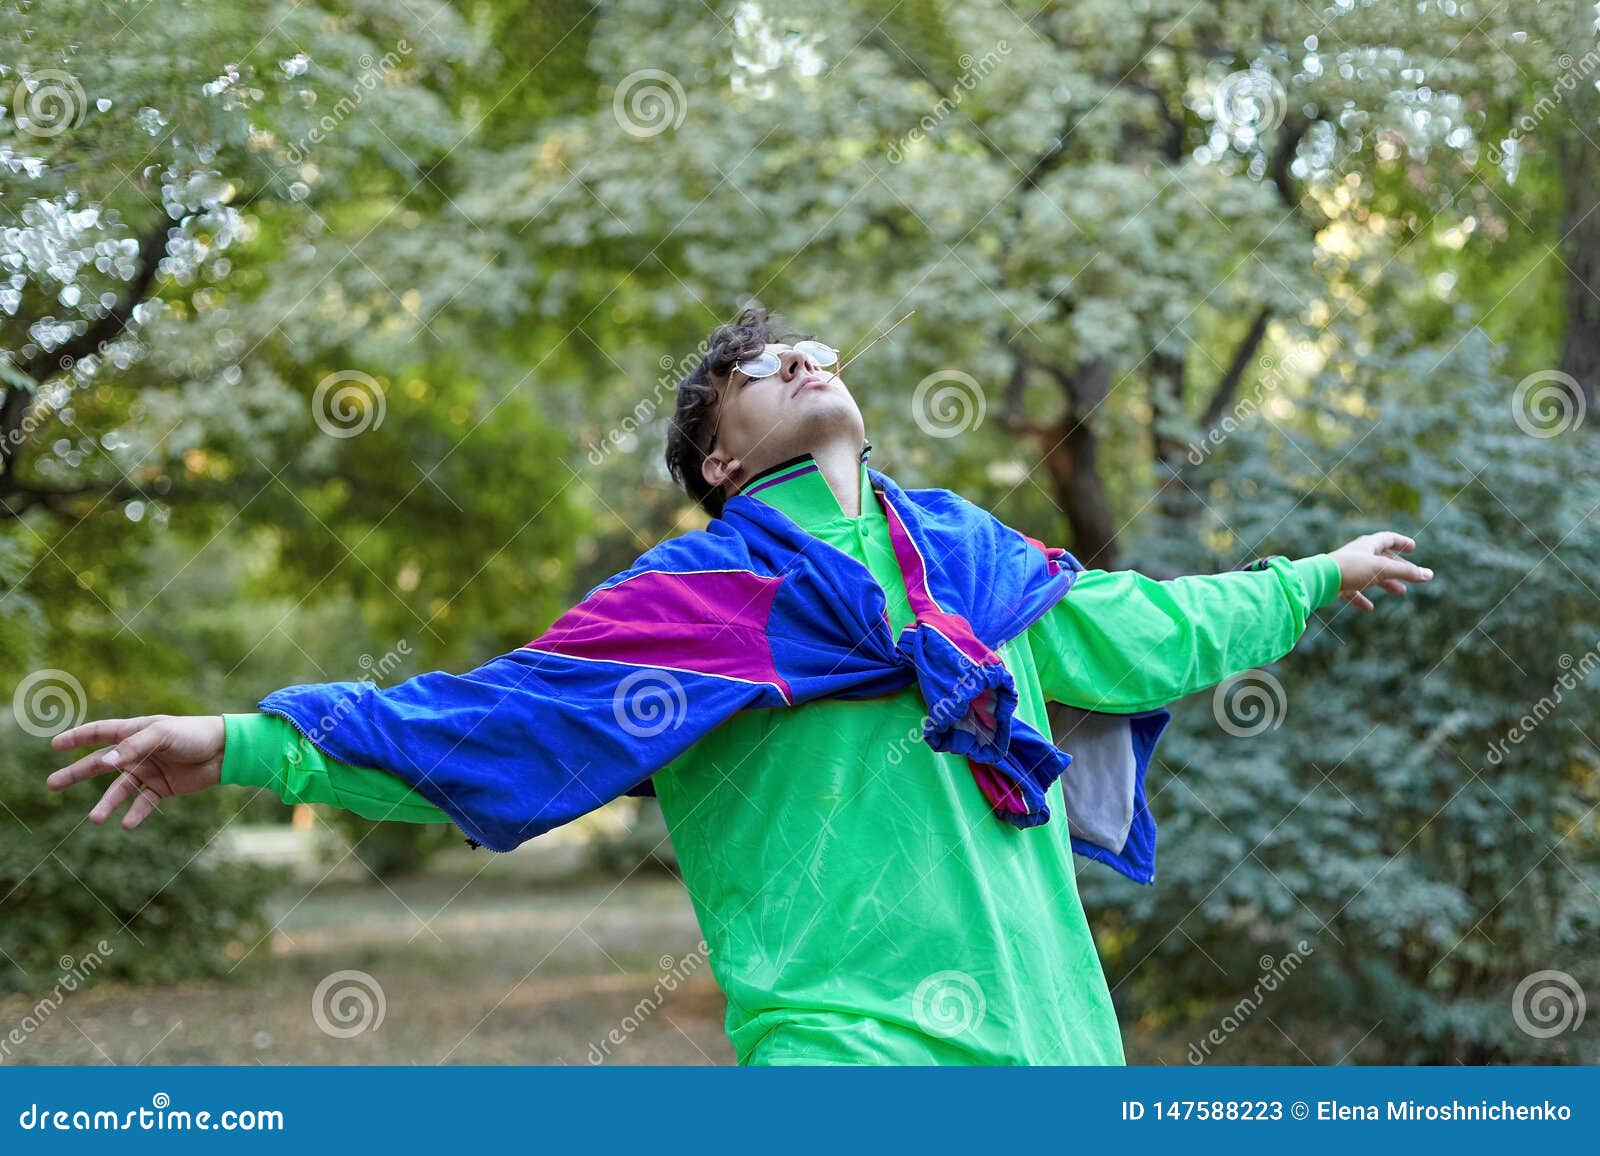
840	467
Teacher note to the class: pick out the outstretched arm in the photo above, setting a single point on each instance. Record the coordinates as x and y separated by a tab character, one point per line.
523	743
159	756
1122	642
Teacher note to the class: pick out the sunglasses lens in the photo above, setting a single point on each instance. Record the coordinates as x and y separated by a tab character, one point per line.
821	354
759	366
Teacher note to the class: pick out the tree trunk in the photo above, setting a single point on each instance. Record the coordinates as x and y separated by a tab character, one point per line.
1071	450
1174	499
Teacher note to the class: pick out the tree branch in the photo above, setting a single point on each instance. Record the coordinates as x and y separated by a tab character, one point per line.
1172	142
1294	131
152	248
1243	355
46	364
16	501
1013	413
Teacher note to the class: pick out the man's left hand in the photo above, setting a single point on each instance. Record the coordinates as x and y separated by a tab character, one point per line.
1372	560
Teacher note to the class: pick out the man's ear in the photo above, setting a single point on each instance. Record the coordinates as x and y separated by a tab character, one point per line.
718	470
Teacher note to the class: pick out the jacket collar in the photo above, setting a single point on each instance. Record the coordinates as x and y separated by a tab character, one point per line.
797	489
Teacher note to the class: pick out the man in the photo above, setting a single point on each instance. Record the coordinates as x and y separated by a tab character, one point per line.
852	777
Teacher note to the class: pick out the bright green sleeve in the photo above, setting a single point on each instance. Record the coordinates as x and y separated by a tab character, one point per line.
1122	642
263	750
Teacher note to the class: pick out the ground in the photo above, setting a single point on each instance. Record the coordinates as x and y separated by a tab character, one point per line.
529	958
493	969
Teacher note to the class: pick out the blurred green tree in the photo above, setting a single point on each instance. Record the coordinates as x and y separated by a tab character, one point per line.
244	438
1414	792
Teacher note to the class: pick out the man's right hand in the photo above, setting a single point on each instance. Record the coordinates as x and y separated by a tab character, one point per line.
157	756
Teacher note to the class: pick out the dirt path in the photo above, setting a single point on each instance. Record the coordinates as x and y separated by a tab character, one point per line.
488	971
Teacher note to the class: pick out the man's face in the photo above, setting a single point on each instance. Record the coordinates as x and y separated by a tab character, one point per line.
766	420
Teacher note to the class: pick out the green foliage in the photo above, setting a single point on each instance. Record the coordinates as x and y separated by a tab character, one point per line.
285	462
167	905
1420	803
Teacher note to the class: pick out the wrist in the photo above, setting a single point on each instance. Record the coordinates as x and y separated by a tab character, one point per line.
1322	578
1319	575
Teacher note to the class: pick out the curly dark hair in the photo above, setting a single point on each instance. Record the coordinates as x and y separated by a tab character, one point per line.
693	432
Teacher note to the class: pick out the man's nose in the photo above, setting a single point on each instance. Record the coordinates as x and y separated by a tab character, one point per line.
794	363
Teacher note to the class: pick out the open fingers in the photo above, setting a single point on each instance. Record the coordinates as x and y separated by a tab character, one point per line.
85	768
1386	540
105	730
123	786
140	808
109	730
130	754
1357	599
1398	569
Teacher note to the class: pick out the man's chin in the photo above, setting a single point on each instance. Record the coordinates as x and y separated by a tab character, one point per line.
826	418
811	437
